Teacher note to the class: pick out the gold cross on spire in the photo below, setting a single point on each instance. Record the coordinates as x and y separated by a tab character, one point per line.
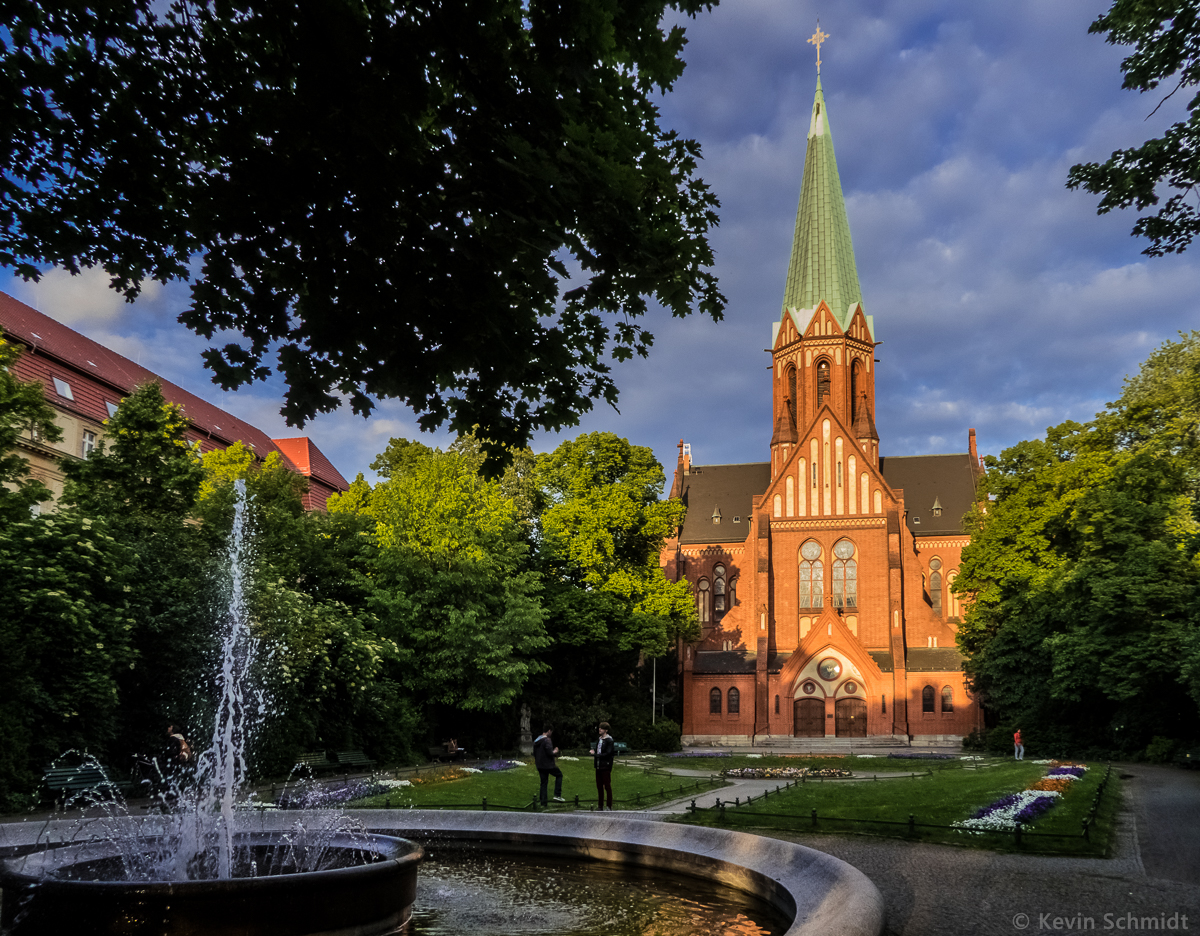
817	38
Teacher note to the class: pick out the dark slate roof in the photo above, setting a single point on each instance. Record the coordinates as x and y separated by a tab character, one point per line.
934	660
926	479
727	487
883	659
725	662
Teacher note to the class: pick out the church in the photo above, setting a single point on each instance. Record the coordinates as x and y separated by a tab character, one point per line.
822	576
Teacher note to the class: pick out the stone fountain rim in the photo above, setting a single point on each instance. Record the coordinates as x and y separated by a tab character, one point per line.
400	852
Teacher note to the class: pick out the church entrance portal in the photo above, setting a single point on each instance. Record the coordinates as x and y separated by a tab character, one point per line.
851	718
809	718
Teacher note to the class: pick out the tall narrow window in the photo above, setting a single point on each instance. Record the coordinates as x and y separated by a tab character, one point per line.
719	591
927	699
845	575
947	699
812	575
776	705
702	600
822	381
734	705
714	701
953	605
733	591
855	385
791	392
935	585
88	444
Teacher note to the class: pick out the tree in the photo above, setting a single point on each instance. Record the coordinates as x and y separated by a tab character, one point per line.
23	408
1083	569
390	195
1166	39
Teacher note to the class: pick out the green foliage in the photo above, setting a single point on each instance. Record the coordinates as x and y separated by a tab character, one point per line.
1083	569
23	408
393	231
1165	35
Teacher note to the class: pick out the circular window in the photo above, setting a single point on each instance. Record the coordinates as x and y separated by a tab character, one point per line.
935	563
829	668
844	549
810	687
703	584
850	688
811	550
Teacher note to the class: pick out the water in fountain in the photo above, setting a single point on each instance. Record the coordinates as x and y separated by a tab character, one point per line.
192	837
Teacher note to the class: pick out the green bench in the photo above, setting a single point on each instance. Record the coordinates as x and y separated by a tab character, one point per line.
316	761
354	759
62	783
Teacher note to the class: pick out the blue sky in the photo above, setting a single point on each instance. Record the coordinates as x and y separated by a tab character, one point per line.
1003	301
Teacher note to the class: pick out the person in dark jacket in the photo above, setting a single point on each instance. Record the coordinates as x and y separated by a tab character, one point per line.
544	753
603	760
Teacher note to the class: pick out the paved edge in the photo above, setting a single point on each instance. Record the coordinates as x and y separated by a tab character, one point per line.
823	895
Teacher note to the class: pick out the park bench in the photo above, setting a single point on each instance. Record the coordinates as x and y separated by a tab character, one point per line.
61	783
354	759
315	761
439	753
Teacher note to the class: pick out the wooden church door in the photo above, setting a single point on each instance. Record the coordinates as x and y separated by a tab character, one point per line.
851	718
809	718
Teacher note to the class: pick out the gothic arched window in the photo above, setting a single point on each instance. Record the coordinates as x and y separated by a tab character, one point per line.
947	699
855	389
734	706
733	591
927	699
719	590
953	605
812	575
791	392
935	584
845	575
702	601
714	701
822	380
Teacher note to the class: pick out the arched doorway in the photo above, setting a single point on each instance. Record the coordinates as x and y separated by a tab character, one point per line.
850	718
808	718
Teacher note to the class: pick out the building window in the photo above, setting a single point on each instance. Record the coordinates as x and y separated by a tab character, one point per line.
88	444
733	591
62	388
778	505
702	601
935	585
791	393
776	705
947	699
111	407
927	699
812	575
714	701
855	390
822	380
883	702
719	591
734	706
716	516
953	605
937	507
845	575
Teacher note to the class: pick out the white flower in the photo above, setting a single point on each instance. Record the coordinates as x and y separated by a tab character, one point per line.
472	770
393	784
562	757
754	755
1003	819
1042	762
866	755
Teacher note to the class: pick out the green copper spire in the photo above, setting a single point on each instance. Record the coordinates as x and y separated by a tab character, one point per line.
822	264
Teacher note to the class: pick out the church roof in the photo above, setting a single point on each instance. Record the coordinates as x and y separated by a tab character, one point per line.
822	263
946	481
729	489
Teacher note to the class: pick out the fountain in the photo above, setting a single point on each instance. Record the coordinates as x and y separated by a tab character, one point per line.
195	868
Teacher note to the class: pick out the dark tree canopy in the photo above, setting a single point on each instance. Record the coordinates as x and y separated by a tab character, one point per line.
1165	35
386	194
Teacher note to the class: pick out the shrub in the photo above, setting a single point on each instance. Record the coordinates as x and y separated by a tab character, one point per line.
1160	750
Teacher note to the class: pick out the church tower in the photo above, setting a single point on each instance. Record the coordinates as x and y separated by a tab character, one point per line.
823	346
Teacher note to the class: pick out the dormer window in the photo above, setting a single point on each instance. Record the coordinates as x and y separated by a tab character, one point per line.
916	521
62	388
937	507
737	519
111	407
716	517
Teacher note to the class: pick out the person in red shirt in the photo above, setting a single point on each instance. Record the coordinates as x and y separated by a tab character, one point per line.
1018	747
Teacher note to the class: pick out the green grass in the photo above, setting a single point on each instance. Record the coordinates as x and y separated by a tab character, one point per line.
939	799
517	787
844	762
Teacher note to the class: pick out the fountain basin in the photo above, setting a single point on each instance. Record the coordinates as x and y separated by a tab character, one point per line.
42	896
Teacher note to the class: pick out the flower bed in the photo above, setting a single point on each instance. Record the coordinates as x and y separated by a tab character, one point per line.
503	764
1028	805
782	773
700	754
923	756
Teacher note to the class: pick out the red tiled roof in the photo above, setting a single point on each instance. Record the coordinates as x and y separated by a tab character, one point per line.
58	351
311	461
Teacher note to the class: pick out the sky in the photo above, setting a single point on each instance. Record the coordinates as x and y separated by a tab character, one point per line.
1003	301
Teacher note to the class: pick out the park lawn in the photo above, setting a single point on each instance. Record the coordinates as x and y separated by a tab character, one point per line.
939	800
516	788
855	763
